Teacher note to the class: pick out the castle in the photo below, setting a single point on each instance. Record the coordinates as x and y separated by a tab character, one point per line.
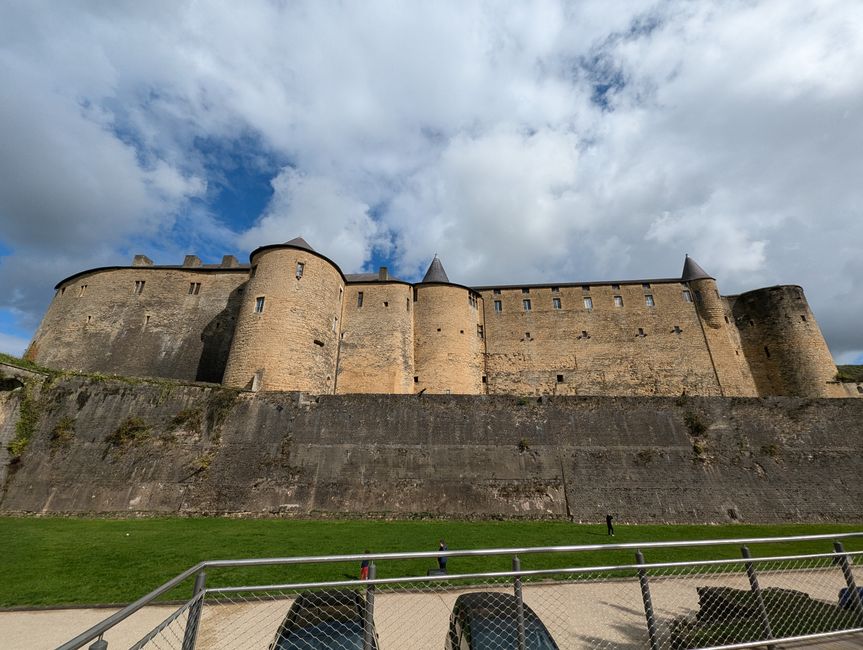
291	320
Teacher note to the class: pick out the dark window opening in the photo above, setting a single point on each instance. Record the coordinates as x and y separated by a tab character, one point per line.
484	379
585	287
300	268
319	343
677	329
555	302
438	329
687	296
555	289
527	335
479	331
139	287
386	303
62	290
416	379
259	305
254	271
194	288
147	321
698	296
860	389
560	379
767	351
645	285
408	304
461	331
83	289
615	287
526	304
359	298
641	332
89	318
649	301
496	292
415	294
751	323
584	335
726	320
803	318
525	290
498	306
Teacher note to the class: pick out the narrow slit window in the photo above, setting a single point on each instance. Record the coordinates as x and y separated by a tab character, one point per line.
767	351
525	290
649	301
254	271
588	303
359	298
555	289
301	266
194	288
139	287
416	379
687	296
584	335
526	304
555	303
485	380
259	305
618	301
386	303
498	306
62	290
803	318
479	331
641	333
407	304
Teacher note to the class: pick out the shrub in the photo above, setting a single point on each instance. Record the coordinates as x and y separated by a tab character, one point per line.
63	432
131	430
694	424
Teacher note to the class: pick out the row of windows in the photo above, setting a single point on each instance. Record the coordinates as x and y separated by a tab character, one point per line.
361	299
586	335
584	287
588	303
137	288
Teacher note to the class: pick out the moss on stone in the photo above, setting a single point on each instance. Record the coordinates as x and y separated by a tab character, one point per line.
132	430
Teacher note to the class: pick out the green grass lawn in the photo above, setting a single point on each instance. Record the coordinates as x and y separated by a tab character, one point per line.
59	561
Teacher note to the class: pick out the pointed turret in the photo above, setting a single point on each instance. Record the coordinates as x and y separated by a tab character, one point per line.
436	272
299	242
692	271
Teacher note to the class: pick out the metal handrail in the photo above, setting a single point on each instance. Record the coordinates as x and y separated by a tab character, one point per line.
524	573
100	628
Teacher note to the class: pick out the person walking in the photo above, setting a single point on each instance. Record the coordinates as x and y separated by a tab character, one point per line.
610	526
364	568
441	561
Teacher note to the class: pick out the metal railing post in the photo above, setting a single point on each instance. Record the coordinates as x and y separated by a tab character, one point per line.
856	596
190	636
759	599
648	603
369	614
519	604
99	644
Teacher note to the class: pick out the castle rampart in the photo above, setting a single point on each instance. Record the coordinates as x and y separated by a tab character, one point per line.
293	321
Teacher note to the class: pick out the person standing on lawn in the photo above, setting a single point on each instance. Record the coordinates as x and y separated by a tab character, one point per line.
610	526
441	561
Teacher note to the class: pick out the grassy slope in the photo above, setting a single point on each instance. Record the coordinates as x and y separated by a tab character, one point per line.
54	561
850	373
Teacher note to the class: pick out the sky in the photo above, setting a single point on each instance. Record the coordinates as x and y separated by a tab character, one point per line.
521	142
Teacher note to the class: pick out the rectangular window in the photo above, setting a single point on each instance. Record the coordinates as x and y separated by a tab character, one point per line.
498	306
645	285
588	302
687	297
62	290
259	305
648	300
496	292
555	289
585	287
555	302
254	271
359	298
560	379
615	287
194	288
584	334
139	287
300	268
641	332
618	301
479	332
526	304
525	290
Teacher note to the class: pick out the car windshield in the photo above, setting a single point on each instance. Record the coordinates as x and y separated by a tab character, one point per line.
344	635
500	634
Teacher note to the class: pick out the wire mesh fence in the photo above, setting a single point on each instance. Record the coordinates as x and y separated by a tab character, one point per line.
660	605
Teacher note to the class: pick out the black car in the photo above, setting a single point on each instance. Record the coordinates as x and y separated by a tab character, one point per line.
319	620
487	621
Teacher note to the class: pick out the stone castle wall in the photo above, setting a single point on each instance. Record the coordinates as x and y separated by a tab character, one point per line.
200	450
376	353
105	321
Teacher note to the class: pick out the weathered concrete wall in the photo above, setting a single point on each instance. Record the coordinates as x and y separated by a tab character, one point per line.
210	450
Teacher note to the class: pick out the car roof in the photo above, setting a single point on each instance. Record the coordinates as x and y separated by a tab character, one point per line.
485	604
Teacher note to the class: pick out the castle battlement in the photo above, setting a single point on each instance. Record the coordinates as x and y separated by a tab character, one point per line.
292	320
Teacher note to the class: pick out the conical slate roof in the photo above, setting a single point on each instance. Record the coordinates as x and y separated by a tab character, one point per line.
435	272
299	242
691	271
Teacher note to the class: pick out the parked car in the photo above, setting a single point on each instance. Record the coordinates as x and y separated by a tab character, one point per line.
487	621
319	620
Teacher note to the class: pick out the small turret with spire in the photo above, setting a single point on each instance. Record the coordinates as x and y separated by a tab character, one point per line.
435	272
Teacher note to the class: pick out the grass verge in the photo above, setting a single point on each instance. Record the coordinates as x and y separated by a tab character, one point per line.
60	561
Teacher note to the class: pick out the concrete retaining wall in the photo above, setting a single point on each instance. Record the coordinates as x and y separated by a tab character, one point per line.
104	446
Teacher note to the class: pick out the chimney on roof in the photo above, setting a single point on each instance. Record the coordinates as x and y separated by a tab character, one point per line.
141	260
191	262
383	274
229	262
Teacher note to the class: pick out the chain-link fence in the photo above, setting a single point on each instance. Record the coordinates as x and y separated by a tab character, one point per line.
659	605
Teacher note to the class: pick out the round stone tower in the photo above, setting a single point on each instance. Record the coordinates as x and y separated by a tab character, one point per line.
783	343
448	335
287	330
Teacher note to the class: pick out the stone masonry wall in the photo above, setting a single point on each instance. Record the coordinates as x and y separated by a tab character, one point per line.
598	350
171	448
97	322
376	353
293	341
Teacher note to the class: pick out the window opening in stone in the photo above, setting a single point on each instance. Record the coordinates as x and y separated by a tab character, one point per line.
89	318
416	379
461	331
527	335
687	296
259	305
677	329
751	323
641	332
555	289
139	287
415	295
803	318
618	301
147	320
301	266
386	303
526	304
320	344
253	271
555	302
359	298
341	291
407	304
479	331
698	296
62	290
438	329
335	322
560	379
498	306
767	351
194	288
496	292
649	301
615	287
726	320
525	290
485	380
860	389
83	289
585	287
584	335
645	285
